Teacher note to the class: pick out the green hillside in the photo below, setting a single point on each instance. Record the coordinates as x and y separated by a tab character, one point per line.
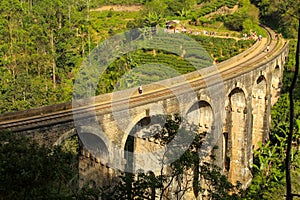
44	44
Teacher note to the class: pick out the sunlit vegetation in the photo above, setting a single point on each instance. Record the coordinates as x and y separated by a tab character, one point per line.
43	44
269	164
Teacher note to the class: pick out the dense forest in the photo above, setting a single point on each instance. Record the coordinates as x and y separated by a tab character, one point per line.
43	44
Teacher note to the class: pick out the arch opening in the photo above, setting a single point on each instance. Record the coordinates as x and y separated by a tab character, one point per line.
96	146
226	153
93	160
147	126
276	84
140	140
237	98
237	129
276	77
201	114
259	106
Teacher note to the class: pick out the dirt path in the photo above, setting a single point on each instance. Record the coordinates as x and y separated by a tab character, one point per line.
203	32
119	8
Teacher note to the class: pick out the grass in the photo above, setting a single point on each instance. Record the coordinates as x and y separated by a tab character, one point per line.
107	23
212	6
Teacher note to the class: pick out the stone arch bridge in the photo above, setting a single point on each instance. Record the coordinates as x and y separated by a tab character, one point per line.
231	101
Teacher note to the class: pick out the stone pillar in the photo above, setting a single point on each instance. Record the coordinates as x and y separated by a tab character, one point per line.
276	85
94	173
259	98
238	137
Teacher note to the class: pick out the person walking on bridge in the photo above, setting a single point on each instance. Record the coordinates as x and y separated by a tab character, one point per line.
140	90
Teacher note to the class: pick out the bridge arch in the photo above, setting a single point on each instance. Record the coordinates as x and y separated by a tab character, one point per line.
138	141
259	109
234	140
237	86
275	83
65	136
146	114
201	114
96	144
237	99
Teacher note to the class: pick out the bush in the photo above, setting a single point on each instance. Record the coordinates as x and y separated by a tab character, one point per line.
30	171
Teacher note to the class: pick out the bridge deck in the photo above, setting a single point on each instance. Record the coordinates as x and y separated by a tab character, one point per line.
59	113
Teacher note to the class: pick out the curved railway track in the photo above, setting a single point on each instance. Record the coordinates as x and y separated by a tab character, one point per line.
251	59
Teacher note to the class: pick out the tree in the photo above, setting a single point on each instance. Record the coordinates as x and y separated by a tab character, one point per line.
289	195
275	164
41	44
187	173
30	171
157	6
152	19
280	15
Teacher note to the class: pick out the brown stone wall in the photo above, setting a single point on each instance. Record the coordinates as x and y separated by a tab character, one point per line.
259	109
93	173
49	135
